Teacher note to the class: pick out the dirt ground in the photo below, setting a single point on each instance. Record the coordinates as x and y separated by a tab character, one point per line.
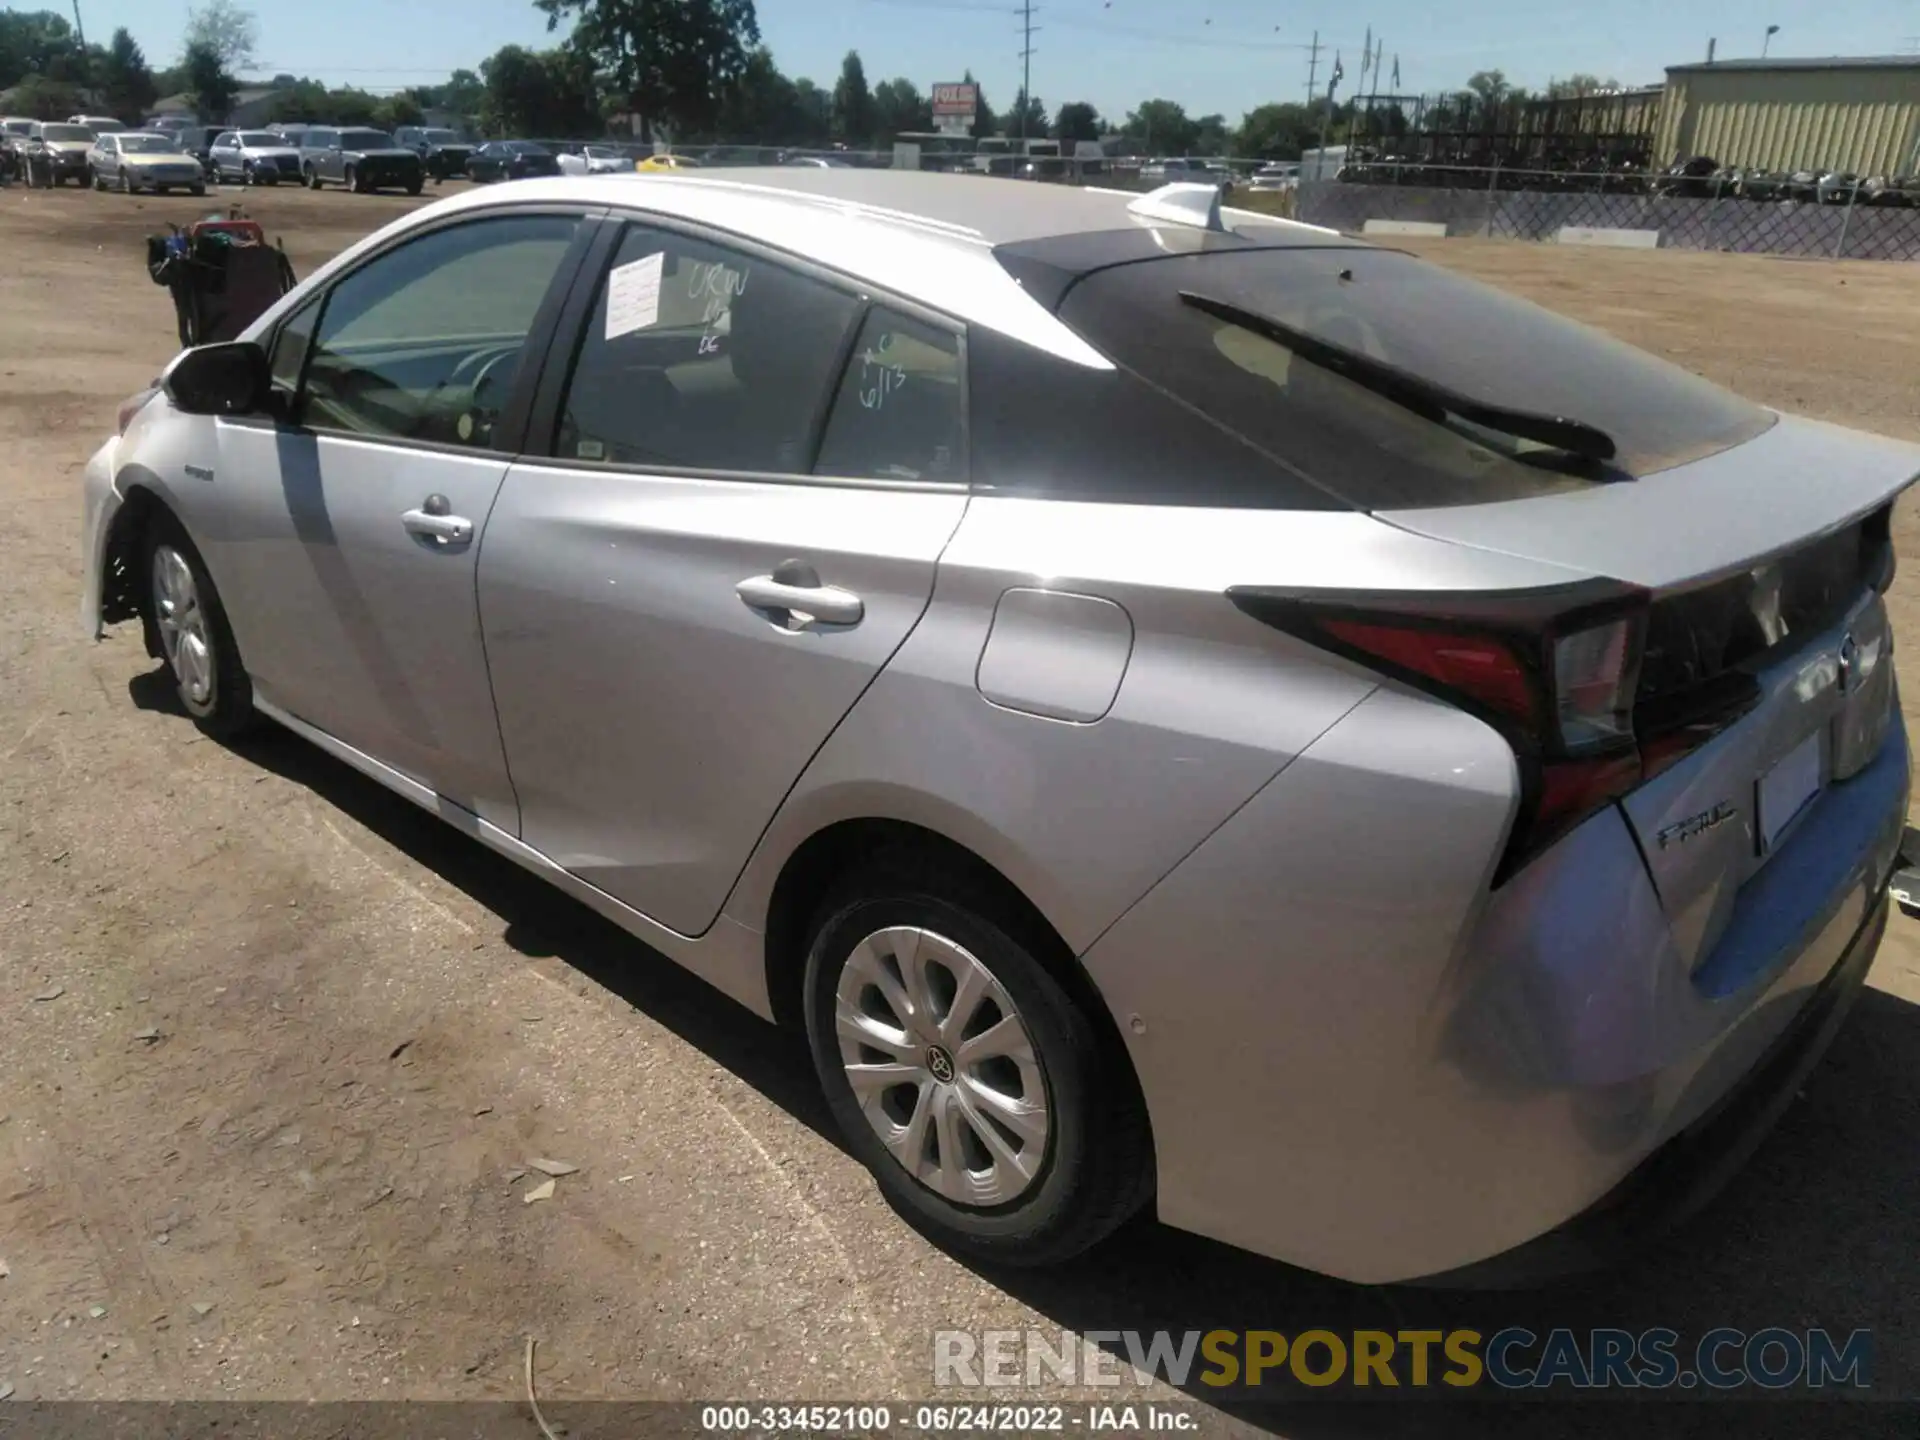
307	1180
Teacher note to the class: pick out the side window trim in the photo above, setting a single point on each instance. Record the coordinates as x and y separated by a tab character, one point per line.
510	431
544	422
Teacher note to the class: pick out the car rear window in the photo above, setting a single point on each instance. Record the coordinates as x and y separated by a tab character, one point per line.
1436	326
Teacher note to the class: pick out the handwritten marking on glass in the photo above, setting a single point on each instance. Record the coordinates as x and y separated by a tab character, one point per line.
879	375
633	296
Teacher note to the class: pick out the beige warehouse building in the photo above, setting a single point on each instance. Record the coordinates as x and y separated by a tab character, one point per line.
1860	115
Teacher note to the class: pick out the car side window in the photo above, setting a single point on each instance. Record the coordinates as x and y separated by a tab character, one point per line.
898	413
424	342
697	356
289	354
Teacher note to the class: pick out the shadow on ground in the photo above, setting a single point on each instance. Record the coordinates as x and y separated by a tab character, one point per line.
1817	1231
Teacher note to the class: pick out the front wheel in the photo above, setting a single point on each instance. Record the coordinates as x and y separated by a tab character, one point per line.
353	181
190	632
126	182
415	185
313	178
996	1117
196	189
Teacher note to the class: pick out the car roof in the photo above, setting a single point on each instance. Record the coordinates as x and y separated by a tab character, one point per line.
926	237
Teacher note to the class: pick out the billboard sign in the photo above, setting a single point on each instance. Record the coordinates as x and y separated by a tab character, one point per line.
956	99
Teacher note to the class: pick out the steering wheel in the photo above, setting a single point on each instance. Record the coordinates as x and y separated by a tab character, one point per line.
481	366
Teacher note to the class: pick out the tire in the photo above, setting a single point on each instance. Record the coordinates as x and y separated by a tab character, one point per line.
1056	1181
126	182
99	180
188	626
196	189
353	181
415	186
313	178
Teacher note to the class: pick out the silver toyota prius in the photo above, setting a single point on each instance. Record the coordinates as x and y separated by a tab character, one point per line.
1187	711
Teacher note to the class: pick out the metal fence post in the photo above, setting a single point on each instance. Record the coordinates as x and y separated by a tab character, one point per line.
1840	245
1493	189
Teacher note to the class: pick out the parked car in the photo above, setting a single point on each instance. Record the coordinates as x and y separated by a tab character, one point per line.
361	160
1375	804
590	159
57	153
1277	177
197	141
255	157
667	162
442	151
99	124
143	160
290	134
818	162
15	132
510	160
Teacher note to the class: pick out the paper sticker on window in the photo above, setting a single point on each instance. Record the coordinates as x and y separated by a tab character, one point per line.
590	450
633	295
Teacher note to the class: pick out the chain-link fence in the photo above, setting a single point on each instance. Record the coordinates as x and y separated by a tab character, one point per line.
1851	222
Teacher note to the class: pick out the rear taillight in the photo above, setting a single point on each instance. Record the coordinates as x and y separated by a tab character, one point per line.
1555	671
132	406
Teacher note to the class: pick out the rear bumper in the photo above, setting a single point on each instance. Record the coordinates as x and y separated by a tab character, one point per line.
1683	1175
1352	1068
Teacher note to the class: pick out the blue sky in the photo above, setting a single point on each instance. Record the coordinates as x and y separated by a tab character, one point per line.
1210	55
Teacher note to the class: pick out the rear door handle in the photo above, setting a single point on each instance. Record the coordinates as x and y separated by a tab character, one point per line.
804	603
452	529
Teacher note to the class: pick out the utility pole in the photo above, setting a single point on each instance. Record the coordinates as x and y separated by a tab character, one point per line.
79	30
1313	68
1027	27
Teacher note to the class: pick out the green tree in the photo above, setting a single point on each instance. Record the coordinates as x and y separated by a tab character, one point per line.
983	121
208	82
813	114
1163	127
898	105
393	111
1210	136
1576	87
1276	132
1076	121
539	93
126	84
853	113
224	28
759	105
34	42
41	97
668	60
1026	117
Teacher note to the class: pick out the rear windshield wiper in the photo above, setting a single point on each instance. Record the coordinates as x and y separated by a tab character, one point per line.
1414	392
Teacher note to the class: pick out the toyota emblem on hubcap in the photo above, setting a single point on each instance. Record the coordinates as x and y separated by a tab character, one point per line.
941	1064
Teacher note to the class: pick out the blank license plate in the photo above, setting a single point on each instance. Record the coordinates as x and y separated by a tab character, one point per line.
1787	787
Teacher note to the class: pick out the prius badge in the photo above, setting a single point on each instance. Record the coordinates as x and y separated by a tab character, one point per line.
1682	831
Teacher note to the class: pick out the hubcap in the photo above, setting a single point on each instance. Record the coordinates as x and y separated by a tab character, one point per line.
942	1066
182	624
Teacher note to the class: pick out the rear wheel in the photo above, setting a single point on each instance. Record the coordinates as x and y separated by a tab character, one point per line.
190	630
994	1115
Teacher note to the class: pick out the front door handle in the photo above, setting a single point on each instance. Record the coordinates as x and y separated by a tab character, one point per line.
801	604
449	529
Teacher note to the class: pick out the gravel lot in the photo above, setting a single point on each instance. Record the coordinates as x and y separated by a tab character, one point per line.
310	1183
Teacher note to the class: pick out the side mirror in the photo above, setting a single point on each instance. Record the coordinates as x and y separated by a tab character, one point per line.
227	379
